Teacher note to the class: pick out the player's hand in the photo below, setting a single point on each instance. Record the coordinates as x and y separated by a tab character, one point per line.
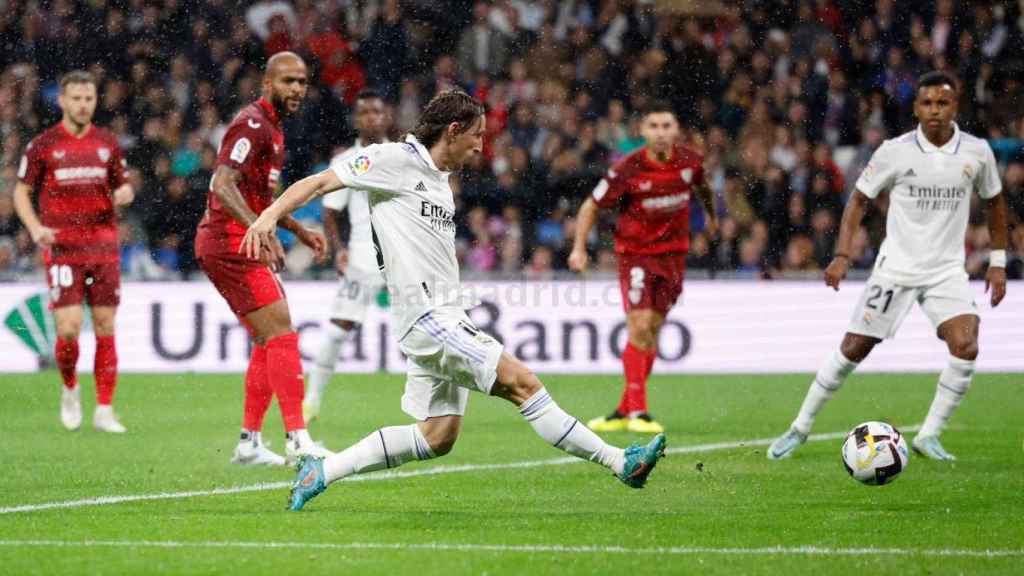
995	278
578	260
124	195
711	227
836	272
341	260
273	256
262	235
45	237
316	242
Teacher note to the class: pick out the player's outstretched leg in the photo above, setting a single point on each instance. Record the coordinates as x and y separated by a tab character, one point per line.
829	378
961	336
323	368
385	448
517	384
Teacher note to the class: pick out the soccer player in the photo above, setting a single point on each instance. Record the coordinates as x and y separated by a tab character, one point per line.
356	263
929	174
413	231
650	189
79	172
245	177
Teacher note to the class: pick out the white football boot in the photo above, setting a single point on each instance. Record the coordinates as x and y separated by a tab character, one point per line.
104	420
299	444
71	407
252	451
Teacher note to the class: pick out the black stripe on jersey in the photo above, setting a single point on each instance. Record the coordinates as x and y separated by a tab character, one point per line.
376	248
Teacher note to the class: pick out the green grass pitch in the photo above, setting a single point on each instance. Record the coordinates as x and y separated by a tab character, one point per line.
714	511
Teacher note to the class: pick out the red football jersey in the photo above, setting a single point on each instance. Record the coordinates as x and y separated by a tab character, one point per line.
75	177
653	200
253	145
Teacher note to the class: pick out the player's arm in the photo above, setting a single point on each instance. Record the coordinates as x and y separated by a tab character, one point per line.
334	242
307	236
225	189
585	220
27	213
607	194
261	229
853	214
995	278
707	201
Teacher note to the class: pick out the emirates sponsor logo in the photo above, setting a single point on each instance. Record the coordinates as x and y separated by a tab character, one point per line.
80	173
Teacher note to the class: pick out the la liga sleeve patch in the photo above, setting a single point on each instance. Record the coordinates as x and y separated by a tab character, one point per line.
241	150
359	165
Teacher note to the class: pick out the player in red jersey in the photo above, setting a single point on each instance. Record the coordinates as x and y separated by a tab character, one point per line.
651	191
245	178
79	173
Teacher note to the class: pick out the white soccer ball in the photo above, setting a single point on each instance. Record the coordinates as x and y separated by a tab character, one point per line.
875	453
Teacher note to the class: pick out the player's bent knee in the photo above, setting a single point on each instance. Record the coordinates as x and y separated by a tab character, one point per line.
515	381
441	433
856	347
965	349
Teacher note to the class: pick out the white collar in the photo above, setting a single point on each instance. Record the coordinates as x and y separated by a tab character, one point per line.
358	143
950	147
423	152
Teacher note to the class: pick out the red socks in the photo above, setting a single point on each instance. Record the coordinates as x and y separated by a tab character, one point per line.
65	352
636	366
284	372
258	392
105	369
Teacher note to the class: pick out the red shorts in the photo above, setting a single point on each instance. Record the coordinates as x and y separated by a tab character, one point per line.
98	284
651	281
246	284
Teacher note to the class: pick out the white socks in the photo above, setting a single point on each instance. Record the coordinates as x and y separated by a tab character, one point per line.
567	433
953	384
326	356
386	448
828	379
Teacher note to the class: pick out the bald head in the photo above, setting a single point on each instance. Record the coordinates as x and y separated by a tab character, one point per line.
284	82
282	61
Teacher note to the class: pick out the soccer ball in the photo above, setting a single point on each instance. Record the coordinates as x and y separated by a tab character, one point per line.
875	453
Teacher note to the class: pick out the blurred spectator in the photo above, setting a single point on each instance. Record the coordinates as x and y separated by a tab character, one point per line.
786	100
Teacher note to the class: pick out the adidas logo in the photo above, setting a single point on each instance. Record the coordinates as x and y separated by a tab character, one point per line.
910	173
421	187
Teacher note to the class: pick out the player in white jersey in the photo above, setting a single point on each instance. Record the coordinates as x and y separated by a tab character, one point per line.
930	174
412	210
359	278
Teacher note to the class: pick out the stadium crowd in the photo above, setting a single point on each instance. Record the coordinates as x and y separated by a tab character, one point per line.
786	99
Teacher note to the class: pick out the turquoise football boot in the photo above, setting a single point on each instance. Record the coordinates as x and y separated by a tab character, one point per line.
309	483
641	460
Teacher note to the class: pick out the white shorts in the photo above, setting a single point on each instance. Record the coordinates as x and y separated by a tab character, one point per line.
446	357
884	304
357	291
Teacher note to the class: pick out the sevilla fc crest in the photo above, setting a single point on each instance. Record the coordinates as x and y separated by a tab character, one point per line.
104	154
686	174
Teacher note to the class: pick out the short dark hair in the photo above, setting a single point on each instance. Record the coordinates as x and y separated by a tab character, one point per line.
368	94
443	109
936	78
658	107
77	77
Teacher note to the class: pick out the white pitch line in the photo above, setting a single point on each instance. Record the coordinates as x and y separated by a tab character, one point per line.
527	548
434	470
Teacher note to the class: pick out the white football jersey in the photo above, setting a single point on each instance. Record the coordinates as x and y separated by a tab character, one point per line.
929	202
412	212
360	242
